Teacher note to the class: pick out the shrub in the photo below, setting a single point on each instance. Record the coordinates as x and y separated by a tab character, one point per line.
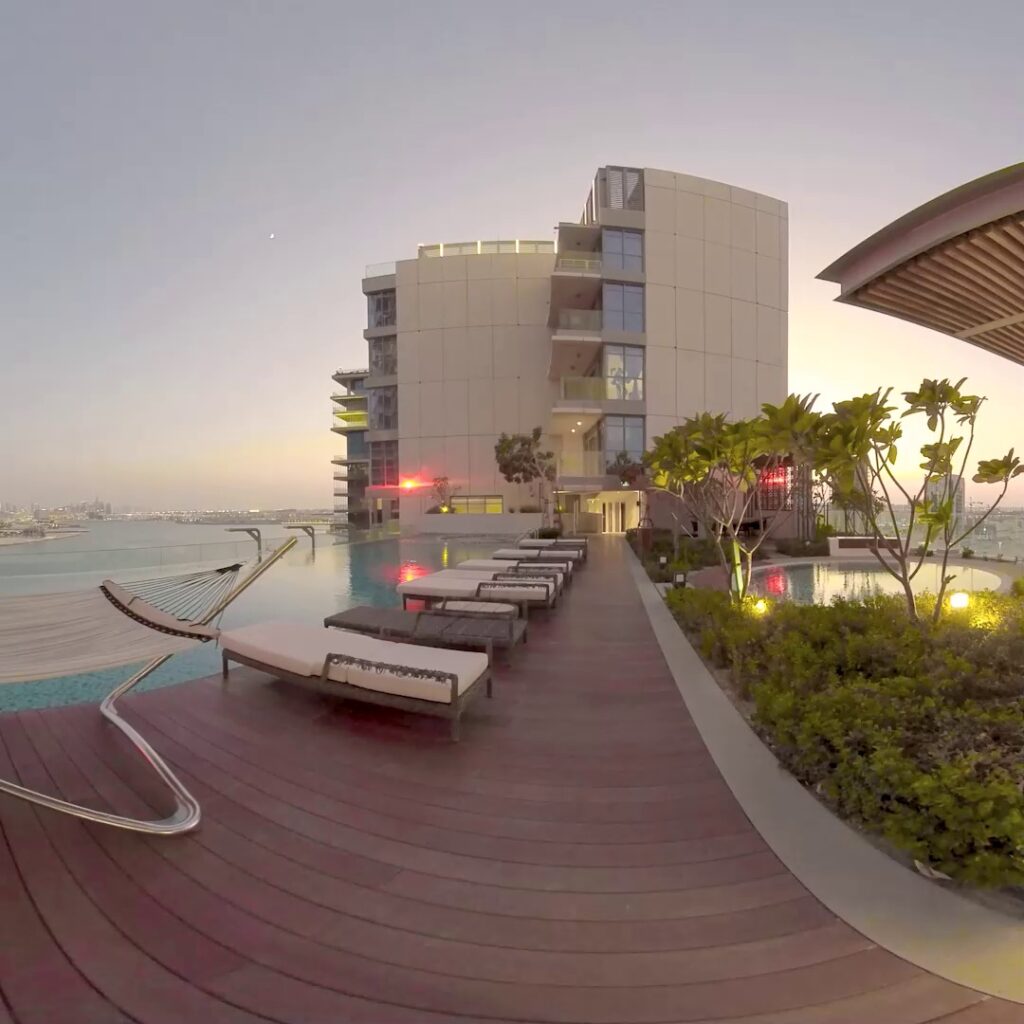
530	508
793	546
1017	587
967	552
913	730
549	532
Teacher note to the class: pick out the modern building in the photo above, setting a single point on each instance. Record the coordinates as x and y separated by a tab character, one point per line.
666	298
351	472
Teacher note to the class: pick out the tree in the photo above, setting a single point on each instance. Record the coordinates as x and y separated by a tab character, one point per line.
442	490
626	468
521	460
856	446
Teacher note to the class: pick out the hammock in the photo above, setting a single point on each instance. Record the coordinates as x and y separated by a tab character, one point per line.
48	635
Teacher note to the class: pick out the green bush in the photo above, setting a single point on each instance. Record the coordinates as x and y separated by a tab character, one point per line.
793	546
529	508
549	532
1017	587
912	730
966	552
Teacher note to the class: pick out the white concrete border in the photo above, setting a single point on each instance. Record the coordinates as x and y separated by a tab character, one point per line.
933	928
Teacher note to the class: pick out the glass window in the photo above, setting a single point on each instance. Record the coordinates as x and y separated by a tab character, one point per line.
384	356
383	408
624	188
622	434
380	309
384	463
623	370
471	504
622	250
355	445
623	307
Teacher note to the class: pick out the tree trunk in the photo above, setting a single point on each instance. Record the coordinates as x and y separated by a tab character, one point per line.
736	583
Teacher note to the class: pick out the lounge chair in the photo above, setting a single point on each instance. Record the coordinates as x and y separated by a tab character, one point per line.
451	623
573	556
556	544
449	585
560	571
409	676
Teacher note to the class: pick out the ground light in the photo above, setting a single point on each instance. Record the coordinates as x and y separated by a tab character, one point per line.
760	606
959	599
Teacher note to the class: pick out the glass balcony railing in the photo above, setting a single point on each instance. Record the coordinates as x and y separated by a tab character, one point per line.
601	389
579	319
582	262
379	269
590	464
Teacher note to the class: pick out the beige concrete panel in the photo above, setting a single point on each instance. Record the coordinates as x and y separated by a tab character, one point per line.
690	183
716	189
456	460
769	336
744	282
718	383
431	409
454	302
743	197
717	220
432	461
504	307
533	299
744	330
783	209
771	384
534	406
660	380
409	456
407	313
506	405
432	355
689	215
534	264
742	227
654	178
784	284
718	324
408	356
717	269
689	383
453	268
689	263
533	344
506	351
479	268
431	270
660	256
503	265
784	328
408	410
767	234
481	406
690	319
479	353
659	208
660	315
456	353
783	239
744	389
431	304
769	205
656	426
478	302
407	274
768	282
456	406
482	470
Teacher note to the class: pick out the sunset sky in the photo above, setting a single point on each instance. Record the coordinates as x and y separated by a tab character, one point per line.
159	349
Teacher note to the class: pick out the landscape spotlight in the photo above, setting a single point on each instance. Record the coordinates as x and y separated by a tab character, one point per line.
959	599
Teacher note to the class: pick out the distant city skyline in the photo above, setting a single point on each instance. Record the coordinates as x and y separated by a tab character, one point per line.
176	282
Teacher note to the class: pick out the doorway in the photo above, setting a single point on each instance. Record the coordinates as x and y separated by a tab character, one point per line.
613	517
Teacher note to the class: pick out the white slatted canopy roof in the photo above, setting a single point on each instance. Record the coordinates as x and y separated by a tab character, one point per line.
955	265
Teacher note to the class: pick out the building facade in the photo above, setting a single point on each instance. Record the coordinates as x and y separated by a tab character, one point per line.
667	298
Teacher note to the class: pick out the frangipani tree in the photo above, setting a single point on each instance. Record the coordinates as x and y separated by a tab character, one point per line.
856	446
522	460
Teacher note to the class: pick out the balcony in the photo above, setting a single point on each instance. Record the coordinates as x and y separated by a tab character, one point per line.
579	321
586	465
380	269
346	376
358	456
579	262
349	397
601	389
346	420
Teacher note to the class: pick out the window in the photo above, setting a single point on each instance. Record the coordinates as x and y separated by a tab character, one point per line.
489	504
775	489
383	403
355	445
622	250
622	434
383	463
380	309
623	369
623	307
624	188
383	356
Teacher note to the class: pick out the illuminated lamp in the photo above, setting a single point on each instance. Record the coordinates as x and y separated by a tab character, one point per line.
959	599
409	484
760	606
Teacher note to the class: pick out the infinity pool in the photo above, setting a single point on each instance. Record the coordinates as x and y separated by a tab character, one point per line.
820	582
304	586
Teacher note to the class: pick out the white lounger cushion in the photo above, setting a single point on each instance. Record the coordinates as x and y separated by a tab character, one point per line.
488	566
545	542
300	648
563	554
465	586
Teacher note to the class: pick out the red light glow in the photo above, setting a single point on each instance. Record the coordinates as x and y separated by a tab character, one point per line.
411	571
410	484
775	582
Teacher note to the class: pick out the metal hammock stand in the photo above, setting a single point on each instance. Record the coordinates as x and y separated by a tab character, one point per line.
180	607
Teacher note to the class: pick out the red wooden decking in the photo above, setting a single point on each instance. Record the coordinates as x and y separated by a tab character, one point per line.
577	858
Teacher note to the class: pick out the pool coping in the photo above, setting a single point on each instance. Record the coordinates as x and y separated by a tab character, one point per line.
933	928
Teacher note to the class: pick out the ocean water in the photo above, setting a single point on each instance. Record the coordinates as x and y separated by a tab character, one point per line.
304	586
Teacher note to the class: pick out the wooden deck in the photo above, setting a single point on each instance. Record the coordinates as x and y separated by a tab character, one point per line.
577	858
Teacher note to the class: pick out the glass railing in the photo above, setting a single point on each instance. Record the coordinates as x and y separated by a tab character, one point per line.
379	269
348	396
589	463
600	389
579	319
584	262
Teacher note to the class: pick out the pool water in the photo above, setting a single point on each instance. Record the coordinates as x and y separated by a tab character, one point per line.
304	586
820	582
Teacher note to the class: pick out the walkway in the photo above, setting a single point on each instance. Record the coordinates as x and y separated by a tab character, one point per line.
577	858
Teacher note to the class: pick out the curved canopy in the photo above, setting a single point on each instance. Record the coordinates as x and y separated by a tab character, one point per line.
955	264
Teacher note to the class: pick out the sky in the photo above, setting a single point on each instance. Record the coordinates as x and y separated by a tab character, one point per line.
158	348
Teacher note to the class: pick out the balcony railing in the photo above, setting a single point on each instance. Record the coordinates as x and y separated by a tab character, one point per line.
590	464
579	320
584	263
350	396
602	389
379	269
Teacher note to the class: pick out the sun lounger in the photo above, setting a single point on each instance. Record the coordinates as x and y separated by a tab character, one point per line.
429	680
513	571
453	586
560	571
555	544
570	555
455	623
